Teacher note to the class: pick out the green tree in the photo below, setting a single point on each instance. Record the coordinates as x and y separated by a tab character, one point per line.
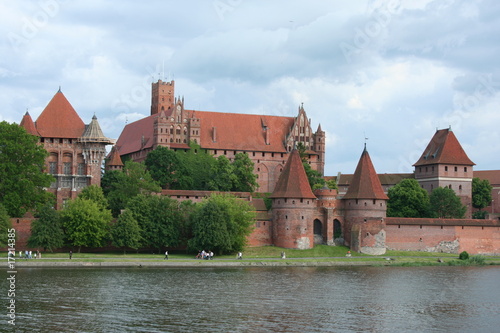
46	231
315	178
221	224
245	180
187	208
480	214
94	193
126	232
197	161
85	223
444	203
159	219
117	190
222	175
481	193
5	225
332	184
121	186
167	169
22	180
408	199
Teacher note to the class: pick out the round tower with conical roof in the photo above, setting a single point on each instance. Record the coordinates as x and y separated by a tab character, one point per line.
293	207
365	207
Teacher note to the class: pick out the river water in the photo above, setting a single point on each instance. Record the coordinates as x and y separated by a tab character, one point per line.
267	299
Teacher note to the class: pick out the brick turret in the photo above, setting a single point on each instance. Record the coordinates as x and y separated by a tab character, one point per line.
114	162
161	130
444	163
93	144
162	96
365	208
319	147
293	207
29	125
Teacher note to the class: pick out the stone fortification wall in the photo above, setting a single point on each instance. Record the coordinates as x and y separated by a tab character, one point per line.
293	223
443	235
261	235
23	232
369	237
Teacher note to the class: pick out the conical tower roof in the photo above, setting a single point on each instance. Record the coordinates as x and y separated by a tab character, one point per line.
114	158
293	182
28	124
93	133
365	182
444	148
59	119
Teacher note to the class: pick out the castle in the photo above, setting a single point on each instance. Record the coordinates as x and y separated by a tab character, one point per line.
268	140
76	150
354	215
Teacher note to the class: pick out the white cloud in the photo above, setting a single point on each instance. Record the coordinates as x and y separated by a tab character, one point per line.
417	68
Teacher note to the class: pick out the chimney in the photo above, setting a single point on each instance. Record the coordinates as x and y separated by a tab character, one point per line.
214	134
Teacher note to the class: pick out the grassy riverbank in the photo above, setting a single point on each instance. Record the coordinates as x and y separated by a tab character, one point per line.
320	255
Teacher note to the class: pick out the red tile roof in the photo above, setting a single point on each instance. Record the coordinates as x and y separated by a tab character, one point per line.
365	182
444	148
387	179
29	125
243	131
293	182
114	158
493	176
136	136
233	132
59	119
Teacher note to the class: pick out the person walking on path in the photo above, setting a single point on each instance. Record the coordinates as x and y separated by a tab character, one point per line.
166	255
70	254
240	255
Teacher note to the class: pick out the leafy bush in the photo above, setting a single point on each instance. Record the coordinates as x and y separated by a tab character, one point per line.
463	255
480	215
477	260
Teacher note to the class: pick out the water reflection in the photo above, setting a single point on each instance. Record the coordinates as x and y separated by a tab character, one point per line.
280	299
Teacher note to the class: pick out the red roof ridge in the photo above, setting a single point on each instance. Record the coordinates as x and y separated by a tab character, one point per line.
241	114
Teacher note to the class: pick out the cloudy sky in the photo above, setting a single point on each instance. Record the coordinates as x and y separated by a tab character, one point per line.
390	71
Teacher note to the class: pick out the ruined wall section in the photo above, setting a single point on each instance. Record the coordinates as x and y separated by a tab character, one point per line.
443	235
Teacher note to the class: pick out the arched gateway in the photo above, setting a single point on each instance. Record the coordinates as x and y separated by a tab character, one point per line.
318	232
